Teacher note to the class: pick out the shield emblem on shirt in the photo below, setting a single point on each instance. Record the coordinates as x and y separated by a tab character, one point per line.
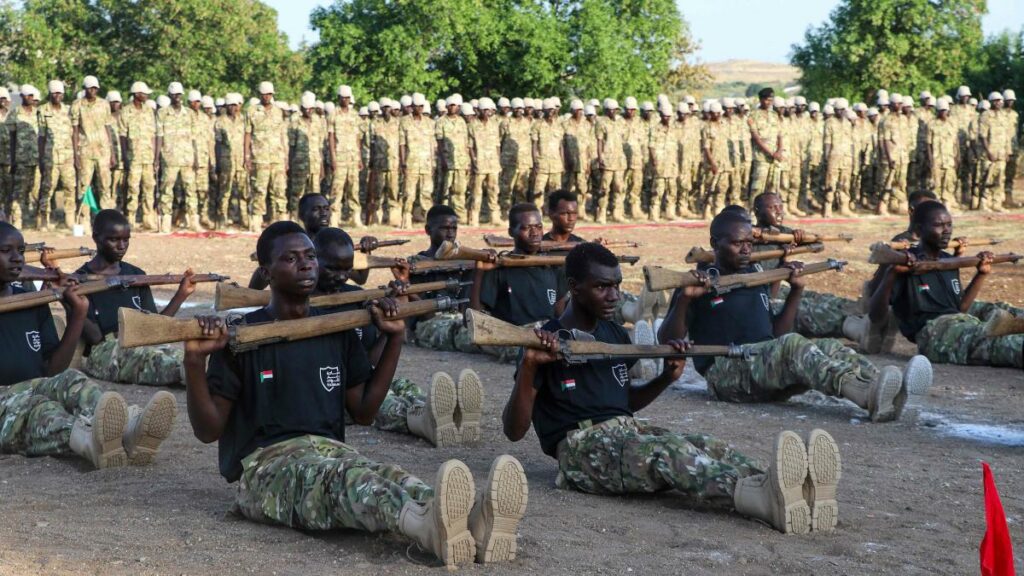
330	377
33	340
552	296
359	333
621	373
758	267
137	302
764	300
956	285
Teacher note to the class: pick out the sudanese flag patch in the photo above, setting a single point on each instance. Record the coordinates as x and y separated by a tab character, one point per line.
266	375
716	301
923	288
569	384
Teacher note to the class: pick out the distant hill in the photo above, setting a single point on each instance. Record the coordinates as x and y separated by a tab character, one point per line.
753	71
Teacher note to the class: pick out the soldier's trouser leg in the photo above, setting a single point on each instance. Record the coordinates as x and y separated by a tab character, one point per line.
297	180
544	184
168	179
1011	173
6	188
116	189
225	184
96	173
992	189
473	199
718	187
521	186
960	339
622	456
386	190
314	483
786	366
188	188
820	314
49	180
455	184
36	416
488	186
202	194
658	196
140	191
634	180
944	180
759	178
982	310
505	180
277	190
345	195
612	191
416	188
243	184
145	365
402	395
898	202
26	186
261	182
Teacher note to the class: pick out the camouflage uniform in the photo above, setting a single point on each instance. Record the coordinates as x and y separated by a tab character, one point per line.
786	366
893	131
689	163
548	166
268	133
960	339
1011	118
232	178
445	331
305	142
58	162
861	134
665	146
402	396
384	163
839	164
516	160
820	314
635	133
714	138
610	135
177	159
579	152
963	114
5	162
94	123
416	137
623	456
137	126
145	365
485	141
452	135
117	177
24	129
812	163
315	483
36	416
942	141
997	138
738	132
345	127
763	171
206	150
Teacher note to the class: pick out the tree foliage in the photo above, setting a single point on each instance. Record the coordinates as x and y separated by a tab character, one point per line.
901	45
213	45
1000	64
521	47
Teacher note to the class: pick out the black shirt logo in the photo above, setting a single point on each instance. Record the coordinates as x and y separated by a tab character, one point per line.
33	340
330	377
764	300
955	282
621	373
552	296
137	301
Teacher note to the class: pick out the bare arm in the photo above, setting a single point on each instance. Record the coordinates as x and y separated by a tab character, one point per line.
208	413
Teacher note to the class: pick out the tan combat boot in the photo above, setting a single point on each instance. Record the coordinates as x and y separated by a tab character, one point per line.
100	441
469	405
148	428
43	221
824	469
776	497
442	524
917	375
193	223
498	508
434	420
165	224
883	399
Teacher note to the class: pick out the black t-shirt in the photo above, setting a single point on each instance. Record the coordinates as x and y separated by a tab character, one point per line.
742	316
521	295
918	298
563	281
905	236
26	286
774	262
572	237
367	334
464	276
567	395
27	339
285	390
103	306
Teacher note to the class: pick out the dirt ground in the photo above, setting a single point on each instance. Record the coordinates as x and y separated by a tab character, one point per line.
911	495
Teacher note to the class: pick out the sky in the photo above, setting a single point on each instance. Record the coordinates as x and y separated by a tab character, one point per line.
726	30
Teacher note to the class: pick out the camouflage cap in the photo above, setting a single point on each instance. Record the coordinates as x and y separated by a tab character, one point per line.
219	102
665	109
647	106
419	99
610	104
175	88
728	102
208	103
872	112
801	101
454	100
683	107
973	101
778	102
828	110
929	101
984	105
924	95
715	107
329	108
374	106
486	103
550	104
595	103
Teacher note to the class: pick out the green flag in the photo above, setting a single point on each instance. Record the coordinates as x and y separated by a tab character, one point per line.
89	200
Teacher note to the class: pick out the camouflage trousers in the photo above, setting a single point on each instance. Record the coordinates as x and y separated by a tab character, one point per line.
402	395
24	197
445	331
623	456
315	483
513	183
787	366
145	365
345	195
168	179
820	314
960	339
983	310
269	188
36	416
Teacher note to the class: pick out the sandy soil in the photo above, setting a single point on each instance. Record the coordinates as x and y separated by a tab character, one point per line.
911	499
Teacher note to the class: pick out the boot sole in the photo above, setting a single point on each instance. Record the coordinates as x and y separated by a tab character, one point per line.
470	400
453	499
442	401
825	468
787	480
506	497
157	422
917	375
886	395
108	423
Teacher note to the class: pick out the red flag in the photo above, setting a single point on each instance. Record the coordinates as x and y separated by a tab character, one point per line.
996	551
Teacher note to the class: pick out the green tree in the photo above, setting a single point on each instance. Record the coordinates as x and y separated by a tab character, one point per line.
901	45
1000	65
213	45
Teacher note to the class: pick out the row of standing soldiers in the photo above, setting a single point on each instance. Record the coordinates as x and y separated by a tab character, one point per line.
224	163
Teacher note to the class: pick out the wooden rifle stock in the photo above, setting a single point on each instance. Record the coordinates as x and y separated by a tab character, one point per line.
32	273
43	297
35	246
229	296
658	278
61	254
954	244
454	251
762	237
363	261
698	255
495	241
431	266
485	330
378	244
136	328
1003	323
881	253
